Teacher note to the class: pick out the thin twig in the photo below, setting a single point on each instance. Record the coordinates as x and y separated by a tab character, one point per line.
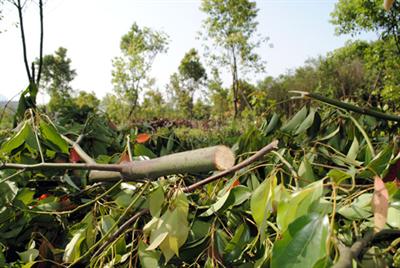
21	22
273	145
121	230
72	166
41	43
112	227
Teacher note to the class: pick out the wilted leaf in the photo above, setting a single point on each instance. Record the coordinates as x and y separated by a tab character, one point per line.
142	138
73	156
380	204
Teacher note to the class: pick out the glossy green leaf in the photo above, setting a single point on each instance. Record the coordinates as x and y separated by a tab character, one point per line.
273	123
307	123
299	204
50	133
261	202
296	120
18	139
378	164
237	244
303	244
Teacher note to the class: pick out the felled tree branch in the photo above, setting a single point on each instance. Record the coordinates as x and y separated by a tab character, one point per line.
201	160
347	254
273	145
348	106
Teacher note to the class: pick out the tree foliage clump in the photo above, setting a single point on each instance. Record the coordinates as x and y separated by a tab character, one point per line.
139	48
231	26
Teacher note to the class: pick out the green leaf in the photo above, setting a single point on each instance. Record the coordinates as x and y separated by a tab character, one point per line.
148	258
216	206
299	204
305	170
359	209
25	195
296	120
393	217
237	244
156	200
307	123
68	180
170	231
50	133
338	175
354	149
18	139
237	196
273	123
261	202
303	244
8	191
330	135
29	255
72	250
141	150
378	164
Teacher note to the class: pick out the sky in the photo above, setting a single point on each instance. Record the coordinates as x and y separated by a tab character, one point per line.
91	31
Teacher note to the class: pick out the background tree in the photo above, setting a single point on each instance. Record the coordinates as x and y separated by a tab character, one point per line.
231	26
354	17
219	97
57	77
130	74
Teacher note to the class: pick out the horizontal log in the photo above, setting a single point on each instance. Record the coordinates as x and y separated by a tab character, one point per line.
195	161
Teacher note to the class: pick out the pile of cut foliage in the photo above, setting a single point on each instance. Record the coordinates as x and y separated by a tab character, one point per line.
332	182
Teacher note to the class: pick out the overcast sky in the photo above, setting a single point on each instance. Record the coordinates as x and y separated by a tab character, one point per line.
91	31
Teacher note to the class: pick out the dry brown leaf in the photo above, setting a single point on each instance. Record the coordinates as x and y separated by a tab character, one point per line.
387	4
380	204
